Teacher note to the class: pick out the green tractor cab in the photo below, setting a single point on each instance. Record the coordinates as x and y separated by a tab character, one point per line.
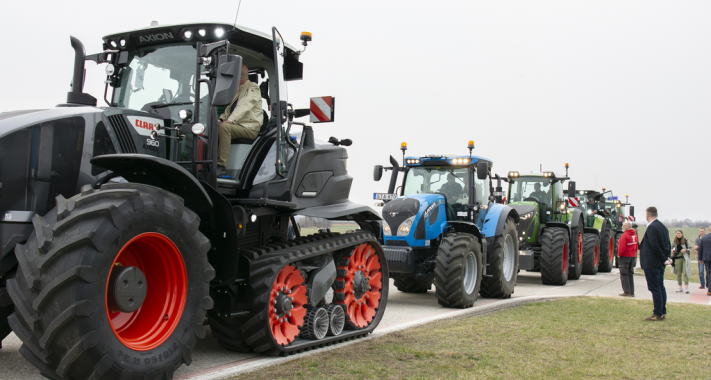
550	233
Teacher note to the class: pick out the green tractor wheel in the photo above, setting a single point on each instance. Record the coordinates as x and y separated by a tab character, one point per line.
591	253
607	251
554	256
576	248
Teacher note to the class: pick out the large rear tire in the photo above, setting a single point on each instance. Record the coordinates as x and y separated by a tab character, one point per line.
413	285
69	325
458	271
591	253
607	249
503	264
6	308
576	254
554	256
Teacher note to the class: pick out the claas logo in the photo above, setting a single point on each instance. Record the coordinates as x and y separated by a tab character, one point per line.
146	125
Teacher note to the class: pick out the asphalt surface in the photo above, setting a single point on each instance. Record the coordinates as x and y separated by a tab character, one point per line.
210	361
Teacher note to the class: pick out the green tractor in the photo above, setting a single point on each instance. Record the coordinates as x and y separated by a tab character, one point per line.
550	234
603	227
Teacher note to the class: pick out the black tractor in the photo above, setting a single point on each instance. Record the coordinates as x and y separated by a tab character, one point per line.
119	240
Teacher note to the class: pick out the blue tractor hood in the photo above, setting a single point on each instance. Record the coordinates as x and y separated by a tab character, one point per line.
423	216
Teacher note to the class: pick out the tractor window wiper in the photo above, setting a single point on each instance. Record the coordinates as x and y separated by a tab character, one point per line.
169	104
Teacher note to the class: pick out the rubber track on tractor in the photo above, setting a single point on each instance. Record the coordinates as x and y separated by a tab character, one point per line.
267	261
413	285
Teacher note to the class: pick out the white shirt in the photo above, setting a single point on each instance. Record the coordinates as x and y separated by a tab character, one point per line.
650	223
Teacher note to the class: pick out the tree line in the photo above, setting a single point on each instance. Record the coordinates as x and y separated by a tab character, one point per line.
686	223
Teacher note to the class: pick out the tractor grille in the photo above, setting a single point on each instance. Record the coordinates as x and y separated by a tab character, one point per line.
525	224
251	236
123	133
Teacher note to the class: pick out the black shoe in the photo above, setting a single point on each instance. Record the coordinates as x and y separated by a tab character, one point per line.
221	170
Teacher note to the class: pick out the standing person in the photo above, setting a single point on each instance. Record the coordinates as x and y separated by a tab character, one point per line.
634	227
654	257
697	243
704	253
627	253
681	250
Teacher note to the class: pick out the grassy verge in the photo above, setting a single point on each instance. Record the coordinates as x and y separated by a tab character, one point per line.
669	275
592	338
335	228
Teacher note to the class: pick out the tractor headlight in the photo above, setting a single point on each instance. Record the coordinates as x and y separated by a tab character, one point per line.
386	229
590	212
219	32
404	228
198	128
110	69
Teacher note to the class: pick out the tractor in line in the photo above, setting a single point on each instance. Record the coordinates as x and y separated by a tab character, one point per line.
446	225
119	240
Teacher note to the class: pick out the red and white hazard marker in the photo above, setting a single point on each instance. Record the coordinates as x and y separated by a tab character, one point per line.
573	202
322	109
631	218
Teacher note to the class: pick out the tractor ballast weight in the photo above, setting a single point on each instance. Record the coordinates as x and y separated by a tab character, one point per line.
128	195
445	217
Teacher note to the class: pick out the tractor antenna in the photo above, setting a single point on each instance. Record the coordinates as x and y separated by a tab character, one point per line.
238	6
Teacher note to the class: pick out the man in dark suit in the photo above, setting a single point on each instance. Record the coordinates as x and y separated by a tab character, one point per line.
655	251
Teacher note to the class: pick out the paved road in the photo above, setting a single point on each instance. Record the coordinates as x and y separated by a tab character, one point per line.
210	360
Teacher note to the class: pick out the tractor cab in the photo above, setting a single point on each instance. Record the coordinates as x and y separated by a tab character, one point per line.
541	190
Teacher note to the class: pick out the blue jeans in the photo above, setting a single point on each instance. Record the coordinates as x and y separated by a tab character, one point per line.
655	284
702	269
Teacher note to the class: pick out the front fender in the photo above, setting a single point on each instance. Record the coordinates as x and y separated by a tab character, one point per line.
159	172
495	219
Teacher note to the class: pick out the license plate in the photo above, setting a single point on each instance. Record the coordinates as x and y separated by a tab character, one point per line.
384	196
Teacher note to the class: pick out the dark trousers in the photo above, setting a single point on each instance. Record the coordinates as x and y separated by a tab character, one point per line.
627	265
707	264
655	284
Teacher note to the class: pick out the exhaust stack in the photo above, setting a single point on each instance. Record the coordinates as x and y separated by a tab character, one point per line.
76	95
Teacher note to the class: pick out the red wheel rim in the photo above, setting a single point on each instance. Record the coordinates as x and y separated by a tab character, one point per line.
597	255
580	247
285	323
612	250
565	257
361	305
167	288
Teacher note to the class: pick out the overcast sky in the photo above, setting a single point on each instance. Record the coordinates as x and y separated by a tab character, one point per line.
618	89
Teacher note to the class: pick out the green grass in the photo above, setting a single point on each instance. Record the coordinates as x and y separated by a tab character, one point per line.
689	233
590	338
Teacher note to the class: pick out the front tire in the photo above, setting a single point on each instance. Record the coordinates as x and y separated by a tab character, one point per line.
607	251
503	264
591	253
554	256
576	252
413	285
458	271
6	308
69	327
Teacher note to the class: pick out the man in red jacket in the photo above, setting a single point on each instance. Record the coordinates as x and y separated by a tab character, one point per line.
627	253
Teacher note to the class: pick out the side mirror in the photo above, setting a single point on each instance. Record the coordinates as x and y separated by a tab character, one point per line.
571	189
482	170
377	172
229	70
322	109
631	210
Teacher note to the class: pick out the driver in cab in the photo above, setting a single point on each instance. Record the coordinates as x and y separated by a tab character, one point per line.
538	193
451	189
242	118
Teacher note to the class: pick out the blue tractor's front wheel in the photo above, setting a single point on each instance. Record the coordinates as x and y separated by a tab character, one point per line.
458	272
503	264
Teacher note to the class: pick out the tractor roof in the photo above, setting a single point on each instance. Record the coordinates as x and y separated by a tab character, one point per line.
444	160
206	32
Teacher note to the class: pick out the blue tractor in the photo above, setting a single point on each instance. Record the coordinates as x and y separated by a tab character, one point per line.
446	225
